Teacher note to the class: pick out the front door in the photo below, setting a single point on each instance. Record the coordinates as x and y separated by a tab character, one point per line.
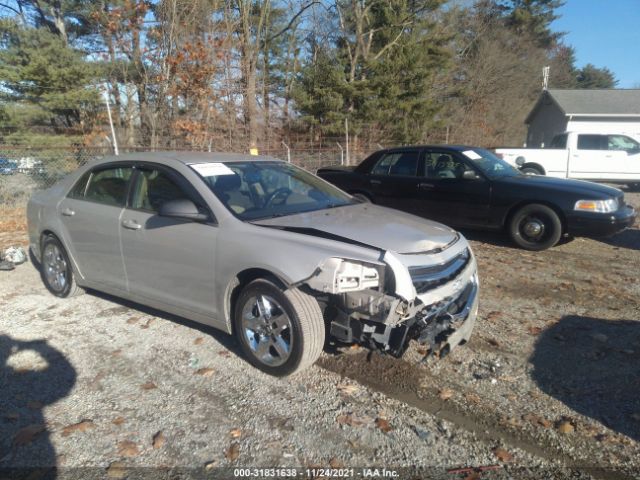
596	158
90	215
167	260
449	198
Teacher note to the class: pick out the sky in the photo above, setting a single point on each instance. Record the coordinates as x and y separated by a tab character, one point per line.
605	33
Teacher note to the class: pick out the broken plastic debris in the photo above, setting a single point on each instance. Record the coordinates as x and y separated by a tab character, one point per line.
14	255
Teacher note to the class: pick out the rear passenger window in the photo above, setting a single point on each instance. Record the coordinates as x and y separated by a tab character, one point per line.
559	141
592	142
398	163
109	186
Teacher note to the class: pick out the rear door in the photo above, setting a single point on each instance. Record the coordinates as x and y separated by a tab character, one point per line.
90	215
394	179
167	260
445	196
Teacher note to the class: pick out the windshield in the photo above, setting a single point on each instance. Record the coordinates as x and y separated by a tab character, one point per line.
491	165
265	189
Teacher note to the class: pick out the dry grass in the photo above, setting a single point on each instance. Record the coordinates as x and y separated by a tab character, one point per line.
13	227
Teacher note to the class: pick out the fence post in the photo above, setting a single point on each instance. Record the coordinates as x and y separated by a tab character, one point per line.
341	153
288	151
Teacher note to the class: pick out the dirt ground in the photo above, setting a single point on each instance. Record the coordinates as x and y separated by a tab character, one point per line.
547	387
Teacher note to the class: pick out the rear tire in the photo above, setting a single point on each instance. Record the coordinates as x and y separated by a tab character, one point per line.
535	227
531	171
56	270
280	331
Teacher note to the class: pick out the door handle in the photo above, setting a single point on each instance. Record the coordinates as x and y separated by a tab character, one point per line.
131	225
375	182
425	185
67	212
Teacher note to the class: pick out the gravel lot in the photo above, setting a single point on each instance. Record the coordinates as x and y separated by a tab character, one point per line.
548	385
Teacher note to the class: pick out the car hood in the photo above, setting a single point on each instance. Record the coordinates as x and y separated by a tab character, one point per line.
370	225
551	183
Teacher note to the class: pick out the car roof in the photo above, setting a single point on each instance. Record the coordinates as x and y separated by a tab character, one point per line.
187	157
439	146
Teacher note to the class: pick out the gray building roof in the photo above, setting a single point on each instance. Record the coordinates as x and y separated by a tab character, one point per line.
609	102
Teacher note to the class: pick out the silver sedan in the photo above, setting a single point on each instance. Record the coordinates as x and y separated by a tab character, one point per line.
257	248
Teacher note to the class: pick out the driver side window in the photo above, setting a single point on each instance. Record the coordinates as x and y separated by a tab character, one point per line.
440	165
621	142
153	188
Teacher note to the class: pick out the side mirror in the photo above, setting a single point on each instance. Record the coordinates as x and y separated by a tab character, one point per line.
183	209
470	175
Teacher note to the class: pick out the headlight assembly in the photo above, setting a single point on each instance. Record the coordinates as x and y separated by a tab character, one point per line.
597	206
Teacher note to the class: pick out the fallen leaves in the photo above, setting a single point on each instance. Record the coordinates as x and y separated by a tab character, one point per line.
536	420
81	426
28	434
383	424
565	427
158	440
224	353
502	455
348	388
352	420
116	470
235	433
472	398
233	452
118	421
336	463
198	341
148	323
534	330
445	393
127	448
205	372
148	386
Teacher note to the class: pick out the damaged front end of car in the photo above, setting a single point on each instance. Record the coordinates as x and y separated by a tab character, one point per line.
430	299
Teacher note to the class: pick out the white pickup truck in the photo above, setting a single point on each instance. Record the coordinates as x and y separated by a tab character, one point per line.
606	157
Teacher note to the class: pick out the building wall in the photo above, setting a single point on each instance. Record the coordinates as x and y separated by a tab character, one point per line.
547	121
629	126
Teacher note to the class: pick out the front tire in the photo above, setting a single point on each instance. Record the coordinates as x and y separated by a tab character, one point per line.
280	331
535	227
55	269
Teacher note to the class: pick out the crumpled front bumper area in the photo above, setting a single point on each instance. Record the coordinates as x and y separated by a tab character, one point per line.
444	326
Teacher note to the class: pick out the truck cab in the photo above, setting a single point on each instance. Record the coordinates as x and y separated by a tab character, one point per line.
610	157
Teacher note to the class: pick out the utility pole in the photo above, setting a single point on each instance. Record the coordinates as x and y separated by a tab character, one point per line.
113	130
545	78
346	136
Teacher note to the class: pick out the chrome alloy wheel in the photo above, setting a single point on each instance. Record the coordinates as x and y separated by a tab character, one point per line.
267	330
55	267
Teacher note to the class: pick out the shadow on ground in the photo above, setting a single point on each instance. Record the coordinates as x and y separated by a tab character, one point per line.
630	238
33	375
226	340
592	366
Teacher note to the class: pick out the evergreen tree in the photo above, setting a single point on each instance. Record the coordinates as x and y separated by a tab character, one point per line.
591	76
45	83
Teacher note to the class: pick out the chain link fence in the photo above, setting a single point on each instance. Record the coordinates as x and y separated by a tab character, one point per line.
26	170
